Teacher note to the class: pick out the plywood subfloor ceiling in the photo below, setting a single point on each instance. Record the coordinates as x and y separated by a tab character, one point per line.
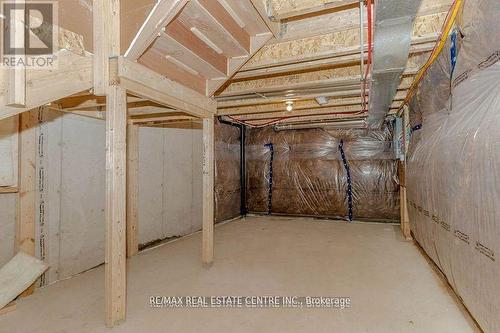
317	53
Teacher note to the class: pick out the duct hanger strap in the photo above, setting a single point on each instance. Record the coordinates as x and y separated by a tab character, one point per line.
270	192
348	172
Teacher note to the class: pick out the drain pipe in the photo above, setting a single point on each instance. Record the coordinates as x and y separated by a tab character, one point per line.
392	38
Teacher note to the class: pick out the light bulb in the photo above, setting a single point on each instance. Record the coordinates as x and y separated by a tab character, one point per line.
289	107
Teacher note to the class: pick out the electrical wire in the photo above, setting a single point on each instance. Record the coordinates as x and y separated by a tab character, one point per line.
438	48
365	81
370	50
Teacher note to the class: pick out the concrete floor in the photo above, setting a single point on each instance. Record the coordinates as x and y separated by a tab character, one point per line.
391	285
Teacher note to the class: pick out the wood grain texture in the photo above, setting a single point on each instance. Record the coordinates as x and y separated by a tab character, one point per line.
116	127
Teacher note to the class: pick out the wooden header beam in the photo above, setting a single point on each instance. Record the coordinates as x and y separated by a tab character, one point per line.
143	82
72	75
328	7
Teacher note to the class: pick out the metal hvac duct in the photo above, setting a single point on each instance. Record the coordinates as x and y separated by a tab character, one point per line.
392	37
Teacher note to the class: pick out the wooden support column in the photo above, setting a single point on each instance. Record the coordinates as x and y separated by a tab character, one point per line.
405	220
25	228
16	96
116	160
132	189
208	191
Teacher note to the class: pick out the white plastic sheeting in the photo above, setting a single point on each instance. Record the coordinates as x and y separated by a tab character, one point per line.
453	171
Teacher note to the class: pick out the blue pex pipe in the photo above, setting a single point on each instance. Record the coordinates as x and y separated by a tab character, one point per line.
270	193
349	184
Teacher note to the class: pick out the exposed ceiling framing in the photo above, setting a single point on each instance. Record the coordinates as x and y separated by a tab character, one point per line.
318	53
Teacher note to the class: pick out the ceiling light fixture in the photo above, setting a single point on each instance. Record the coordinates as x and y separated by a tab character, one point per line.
289	106
322	100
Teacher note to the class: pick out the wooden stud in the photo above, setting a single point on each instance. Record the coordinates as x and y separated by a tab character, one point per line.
25	224
116	179
405	220
132	190
141	81
116	127
208	191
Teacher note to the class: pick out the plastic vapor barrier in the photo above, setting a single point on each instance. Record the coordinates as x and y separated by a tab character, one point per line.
308	172
227	172
453	169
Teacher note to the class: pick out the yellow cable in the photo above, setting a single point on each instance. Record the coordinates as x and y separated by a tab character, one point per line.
437	51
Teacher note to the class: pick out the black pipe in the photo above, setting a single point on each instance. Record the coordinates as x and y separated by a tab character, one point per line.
243	174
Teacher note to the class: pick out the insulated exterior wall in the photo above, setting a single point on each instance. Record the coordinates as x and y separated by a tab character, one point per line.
227	171
304	173
453	173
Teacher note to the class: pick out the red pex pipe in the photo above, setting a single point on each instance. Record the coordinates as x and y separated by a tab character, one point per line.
369	62
370	50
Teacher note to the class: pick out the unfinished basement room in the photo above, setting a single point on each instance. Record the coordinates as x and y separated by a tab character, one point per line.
250	166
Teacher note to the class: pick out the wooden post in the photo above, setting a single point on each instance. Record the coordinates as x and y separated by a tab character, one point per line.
101	35
25	228
116	160
17	75
208	191
405	220
132	189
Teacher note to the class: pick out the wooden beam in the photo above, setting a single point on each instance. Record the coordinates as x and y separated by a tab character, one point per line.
208	191
73	75
116	127
263	10
308	112
280	99
327	7
161	15
226	21
345	55
155	60
235	64
338	58
185	36
26	202
8	189
303	105
132	190
143	82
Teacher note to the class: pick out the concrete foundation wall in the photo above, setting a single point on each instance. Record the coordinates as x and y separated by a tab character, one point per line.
70	220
